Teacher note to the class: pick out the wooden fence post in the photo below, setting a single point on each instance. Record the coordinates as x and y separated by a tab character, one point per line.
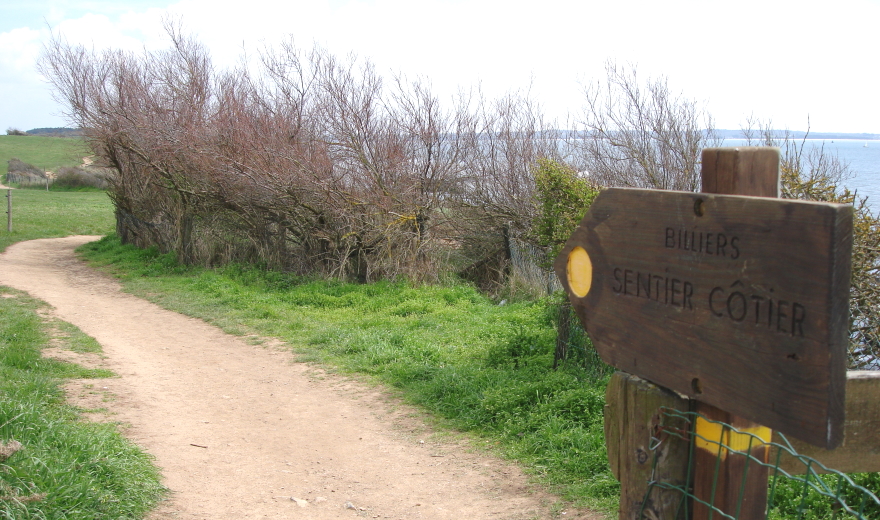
632	417
664	281
9	211
632	404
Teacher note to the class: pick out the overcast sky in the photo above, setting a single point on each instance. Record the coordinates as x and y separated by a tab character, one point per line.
781	60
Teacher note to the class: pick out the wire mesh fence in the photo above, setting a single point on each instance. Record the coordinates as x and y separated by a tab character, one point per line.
799	487
527	267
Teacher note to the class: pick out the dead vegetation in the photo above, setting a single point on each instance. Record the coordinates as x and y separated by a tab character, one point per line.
22	173
309	162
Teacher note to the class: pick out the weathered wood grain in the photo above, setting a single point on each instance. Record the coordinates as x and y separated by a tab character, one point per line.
740	171
740	302
726	472
632	415
860	450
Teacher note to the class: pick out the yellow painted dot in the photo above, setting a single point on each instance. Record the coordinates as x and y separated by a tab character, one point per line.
580	272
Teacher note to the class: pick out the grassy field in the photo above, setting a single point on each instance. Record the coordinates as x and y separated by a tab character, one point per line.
41	214
48	153
477	366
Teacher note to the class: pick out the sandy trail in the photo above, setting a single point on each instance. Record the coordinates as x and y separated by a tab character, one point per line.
240	431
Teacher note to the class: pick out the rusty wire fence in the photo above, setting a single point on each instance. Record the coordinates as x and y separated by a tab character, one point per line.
799	487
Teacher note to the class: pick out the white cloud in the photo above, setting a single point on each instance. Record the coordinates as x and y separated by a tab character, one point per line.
18	50
781	60
98	31
21	88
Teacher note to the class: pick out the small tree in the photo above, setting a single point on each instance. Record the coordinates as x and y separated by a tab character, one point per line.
561	199
639	134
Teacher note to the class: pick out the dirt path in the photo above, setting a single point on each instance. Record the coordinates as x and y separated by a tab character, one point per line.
242	432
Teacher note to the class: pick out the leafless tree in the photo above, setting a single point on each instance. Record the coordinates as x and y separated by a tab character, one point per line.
639	134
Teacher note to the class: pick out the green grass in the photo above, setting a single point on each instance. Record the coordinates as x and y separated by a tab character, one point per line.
795	499
48	153
74	339
41	214
477	366
68	469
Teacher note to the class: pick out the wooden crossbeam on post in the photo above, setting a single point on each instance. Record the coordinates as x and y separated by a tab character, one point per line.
860	451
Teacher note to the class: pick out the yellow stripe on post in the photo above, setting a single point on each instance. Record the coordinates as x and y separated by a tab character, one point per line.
579	272
716	439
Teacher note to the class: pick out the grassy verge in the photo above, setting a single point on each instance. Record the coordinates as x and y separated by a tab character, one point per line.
41	214
48	153
67	469
479	367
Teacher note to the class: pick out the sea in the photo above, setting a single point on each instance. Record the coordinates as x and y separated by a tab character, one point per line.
862	157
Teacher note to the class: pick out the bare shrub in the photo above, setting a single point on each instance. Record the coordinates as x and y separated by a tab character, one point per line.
24	174
78	177
309	162
318	164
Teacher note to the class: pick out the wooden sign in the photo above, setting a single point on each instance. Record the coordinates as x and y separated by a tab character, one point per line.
739	302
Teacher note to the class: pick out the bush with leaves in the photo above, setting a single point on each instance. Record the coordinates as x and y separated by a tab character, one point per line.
562	197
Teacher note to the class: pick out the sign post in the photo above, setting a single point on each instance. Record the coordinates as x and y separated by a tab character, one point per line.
730	483
735	300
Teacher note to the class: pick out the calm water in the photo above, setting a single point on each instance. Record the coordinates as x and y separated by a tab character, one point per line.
863	158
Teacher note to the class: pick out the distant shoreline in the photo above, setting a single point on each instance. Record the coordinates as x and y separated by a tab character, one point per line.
726	134
800	134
